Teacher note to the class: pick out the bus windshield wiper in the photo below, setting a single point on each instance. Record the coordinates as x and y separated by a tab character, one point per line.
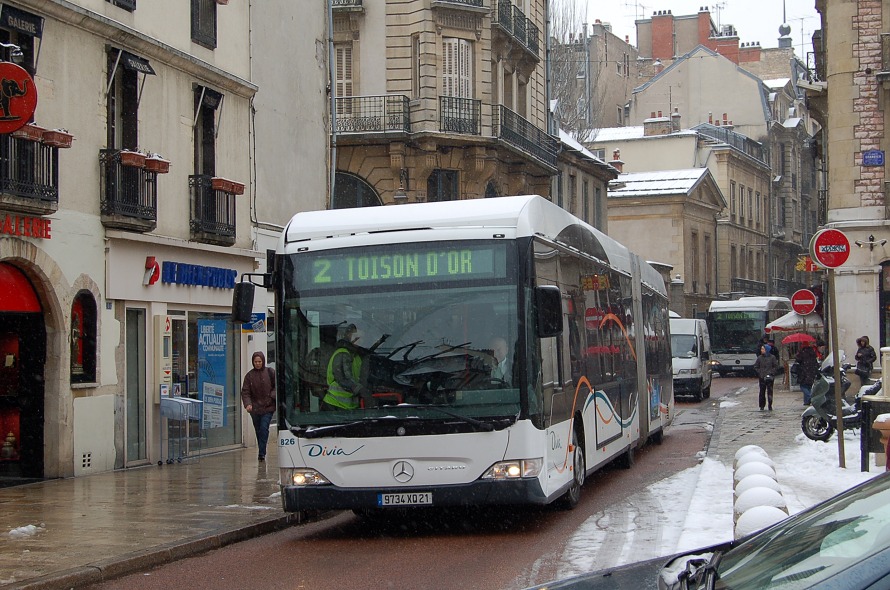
321	431
487	427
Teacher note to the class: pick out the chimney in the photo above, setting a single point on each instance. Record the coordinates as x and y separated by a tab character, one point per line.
656	125
616	162
710	117
675	120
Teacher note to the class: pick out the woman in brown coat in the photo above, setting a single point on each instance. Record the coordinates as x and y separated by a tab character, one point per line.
258	398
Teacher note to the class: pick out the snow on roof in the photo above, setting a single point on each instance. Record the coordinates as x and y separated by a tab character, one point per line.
791	123
633	132
566	138
777	82
663	182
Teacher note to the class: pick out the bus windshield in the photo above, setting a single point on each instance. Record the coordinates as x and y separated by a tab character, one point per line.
734	331
425	331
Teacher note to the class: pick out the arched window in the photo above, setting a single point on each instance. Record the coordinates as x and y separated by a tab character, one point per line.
353	191
83	338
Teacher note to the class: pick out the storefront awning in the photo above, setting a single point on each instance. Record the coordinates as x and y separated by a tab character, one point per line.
16	292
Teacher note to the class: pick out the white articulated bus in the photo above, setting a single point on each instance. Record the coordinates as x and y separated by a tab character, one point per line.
438	294
736	329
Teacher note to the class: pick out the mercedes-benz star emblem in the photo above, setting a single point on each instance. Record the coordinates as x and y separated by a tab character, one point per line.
402	471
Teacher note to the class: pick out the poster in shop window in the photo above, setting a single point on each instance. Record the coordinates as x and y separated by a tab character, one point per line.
213	370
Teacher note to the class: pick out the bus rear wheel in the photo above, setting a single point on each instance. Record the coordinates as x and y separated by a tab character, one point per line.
579	469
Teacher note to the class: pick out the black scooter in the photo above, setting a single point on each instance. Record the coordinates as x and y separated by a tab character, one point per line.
819	421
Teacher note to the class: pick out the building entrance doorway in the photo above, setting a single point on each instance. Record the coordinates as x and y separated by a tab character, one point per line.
22	359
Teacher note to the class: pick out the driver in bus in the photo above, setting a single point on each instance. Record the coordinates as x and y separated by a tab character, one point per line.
345	374
501	369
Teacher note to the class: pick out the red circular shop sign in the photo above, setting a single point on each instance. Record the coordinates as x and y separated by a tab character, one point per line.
830	248
18	97
803	302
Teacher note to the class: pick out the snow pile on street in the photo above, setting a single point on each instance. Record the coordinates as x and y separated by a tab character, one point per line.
26	531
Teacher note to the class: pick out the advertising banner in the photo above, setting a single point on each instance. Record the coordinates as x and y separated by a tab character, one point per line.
213	348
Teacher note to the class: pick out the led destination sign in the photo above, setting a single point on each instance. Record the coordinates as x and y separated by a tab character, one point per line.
390	265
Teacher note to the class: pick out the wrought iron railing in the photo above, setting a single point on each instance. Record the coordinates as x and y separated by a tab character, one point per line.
212	212
460	115
519	28
477	3
785	287
748	287
128	194
532	37
505	15
29	175
522	134
731	138
368	114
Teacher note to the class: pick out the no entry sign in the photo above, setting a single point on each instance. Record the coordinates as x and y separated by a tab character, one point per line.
830	248
803	302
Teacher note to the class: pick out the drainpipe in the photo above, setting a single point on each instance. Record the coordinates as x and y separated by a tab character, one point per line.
332	75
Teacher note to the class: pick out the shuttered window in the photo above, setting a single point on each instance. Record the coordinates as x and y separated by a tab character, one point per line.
457	68
343	57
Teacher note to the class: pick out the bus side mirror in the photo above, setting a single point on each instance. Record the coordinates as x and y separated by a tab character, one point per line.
548	303
242	301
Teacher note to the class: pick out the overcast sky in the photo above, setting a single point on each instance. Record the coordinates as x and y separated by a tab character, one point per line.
755	20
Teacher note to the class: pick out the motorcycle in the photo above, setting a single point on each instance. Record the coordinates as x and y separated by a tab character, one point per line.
819	420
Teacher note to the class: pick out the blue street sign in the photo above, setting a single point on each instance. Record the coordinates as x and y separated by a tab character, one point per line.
873	158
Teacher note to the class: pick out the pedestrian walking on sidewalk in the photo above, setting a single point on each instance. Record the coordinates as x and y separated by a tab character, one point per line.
807	368
258	398
865	359
767	367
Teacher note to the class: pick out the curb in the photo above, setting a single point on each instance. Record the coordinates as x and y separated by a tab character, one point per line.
116	567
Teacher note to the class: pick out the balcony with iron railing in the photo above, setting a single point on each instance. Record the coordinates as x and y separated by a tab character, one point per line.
373	114
212	212
514	23
785	287
128	193
731	138
29	176
521	134
748	287
460	115
475	5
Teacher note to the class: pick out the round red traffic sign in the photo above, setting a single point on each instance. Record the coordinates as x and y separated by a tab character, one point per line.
803	302
830	248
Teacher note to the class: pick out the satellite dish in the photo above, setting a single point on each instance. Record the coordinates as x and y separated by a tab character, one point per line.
785	30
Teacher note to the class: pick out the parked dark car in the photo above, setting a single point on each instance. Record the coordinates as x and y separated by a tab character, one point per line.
842	543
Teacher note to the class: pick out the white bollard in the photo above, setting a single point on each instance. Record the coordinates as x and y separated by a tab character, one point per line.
751	468
756	519
754	497
756	480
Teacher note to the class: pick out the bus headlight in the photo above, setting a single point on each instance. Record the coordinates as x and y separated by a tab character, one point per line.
302	477
514	469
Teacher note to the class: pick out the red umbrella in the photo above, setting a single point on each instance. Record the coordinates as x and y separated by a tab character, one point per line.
799	337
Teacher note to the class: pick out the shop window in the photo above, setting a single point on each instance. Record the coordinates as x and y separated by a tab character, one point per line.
353	191
442	185
83	338
23	30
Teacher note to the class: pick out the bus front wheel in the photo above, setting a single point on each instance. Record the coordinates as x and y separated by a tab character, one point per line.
579	469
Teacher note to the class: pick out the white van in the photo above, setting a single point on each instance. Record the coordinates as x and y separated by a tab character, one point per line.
690	357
